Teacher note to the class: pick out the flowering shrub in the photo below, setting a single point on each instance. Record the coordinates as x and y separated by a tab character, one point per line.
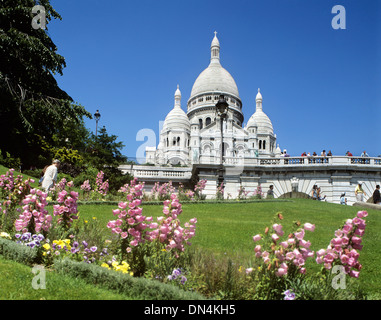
130	226
258	194
66	209
343	249
162	192
86	188
35	216
184	194
199	188
281	257
242	193
220	191
101	186
13	190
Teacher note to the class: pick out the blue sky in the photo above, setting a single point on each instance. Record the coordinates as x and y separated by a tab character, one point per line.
320	86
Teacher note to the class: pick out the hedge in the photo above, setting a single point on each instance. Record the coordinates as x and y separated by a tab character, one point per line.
19	253
139	288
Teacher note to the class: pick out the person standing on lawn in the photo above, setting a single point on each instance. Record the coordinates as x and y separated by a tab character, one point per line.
50	176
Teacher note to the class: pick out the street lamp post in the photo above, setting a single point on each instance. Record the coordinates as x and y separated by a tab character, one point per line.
97	116
222	111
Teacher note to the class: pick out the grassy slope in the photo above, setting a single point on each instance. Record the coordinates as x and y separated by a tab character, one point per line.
3	170
229	228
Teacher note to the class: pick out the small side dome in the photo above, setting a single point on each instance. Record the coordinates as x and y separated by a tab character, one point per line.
177	118
251	123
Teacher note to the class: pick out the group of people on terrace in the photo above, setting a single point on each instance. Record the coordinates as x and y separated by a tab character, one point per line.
329	154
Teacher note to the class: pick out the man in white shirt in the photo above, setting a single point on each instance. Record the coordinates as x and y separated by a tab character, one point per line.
50	176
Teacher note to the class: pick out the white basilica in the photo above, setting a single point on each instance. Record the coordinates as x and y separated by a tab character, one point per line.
190	149
194	137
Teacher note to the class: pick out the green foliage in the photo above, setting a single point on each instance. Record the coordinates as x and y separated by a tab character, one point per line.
9	161
104	151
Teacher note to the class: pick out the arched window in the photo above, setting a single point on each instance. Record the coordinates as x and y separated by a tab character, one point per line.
200	122
178	141
264	144
260	144
208	121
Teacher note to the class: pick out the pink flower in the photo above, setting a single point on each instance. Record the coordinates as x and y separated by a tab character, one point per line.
249	270
278	229
274	237
300	235
347	228
281	272
289	256
362	214
344	259
356	240
359	232
291	241
257	238
309	227
354	274
305	244
284	244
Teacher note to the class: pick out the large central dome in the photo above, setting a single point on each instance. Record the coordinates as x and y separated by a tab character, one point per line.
215	78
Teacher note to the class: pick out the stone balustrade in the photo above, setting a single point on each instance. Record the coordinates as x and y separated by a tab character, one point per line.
302	161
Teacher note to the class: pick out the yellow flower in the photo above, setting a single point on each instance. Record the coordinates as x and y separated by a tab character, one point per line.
5	235
240	269
46	246
105	265
94	218
85	221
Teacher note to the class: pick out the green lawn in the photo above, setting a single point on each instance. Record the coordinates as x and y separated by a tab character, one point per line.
16	284
229	228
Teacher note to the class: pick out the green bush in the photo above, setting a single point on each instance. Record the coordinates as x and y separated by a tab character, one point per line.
139	288
19	253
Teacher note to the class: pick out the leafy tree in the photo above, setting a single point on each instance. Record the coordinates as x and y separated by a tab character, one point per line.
33	107
104	153
104	150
